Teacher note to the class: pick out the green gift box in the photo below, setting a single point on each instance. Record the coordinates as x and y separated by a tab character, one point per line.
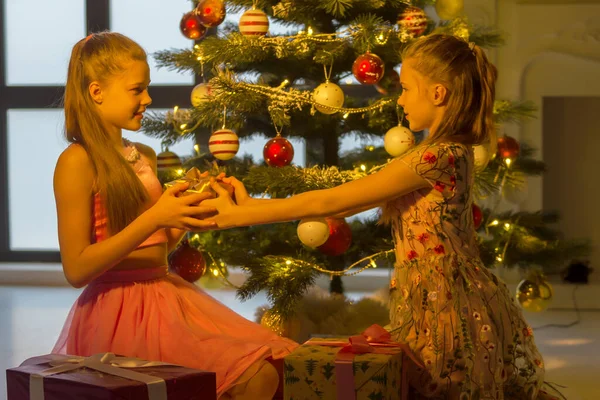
329	368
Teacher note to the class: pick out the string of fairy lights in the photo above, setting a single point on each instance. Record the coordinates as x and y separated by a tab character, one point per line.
218	268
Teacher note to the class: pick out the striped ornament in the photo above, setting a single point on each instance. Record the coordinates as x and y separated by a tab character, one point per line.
413	20
167	160
254	23
223	144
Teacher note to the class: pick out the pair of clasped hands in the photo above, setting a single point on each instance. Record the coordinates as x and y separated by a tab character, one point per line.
190	211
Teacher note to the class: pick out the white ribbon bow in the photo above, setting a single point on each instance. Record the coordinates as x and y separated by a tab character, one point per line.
104	362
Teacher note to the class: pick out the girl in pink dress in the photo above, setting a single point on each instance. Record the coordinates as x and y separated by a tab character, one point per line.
116	227
452	311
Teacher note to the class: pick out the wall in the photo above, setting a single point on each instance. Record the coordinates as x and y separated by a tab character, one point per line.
552	50
571	143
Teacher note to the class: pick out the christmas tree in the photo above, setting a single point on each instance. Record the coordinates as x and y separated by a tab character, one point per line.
333	75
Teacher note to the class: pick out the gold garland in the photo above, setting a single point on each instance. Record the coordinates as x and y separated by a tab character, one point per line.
278	91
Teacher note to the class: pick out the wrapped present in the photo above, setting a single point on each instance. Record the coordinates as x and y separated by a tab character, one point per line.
367	366
106	377
198	183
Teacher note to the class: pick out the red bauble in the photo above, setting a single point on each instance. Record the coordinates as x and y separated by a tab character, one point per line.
477	216
390	83
187	262
211	12
508	147
368	68
191	27
340	237
278	152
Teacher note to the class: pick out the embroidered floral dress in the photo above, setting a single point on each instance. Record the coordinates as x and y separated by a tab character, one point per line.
453	312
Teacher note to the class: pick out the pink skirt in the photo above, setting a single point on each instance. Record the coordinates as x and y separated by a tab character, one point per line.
154	315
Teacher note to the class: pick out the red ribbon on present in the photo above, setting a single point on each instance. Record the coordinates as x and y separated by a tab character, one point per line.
374	339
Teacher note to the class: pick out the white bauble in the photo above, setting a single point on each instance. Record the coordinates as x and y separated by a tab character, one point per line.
328	94
516	195
200	94
398	140
481	156
449	9
223	144
254	23
313	232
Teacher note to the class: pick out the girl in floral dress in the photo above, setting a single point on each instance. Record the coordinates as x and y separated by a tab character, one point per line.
451	310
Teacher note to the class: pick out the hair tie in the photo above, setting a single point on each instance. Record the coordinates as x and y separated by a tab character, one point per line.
471	46
88	37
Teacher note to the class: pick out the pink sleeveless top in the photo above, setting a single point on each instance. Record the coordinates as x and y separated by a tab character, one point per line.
144	171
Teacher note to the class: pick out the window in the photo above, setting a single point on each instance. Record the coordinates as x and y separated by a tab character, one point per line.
34	144
28	27
31	86
154	24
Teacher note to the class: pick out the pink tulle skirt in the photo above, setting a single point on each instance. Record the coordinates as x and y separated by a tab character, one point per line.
154	315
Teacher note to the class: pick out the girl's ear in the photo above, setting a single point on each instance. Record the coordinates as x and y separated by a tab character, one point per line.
439	94
96	92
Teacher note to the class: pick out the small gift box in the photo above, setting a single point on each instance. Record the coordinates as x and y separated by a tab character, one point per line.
198	183
363	367
106	377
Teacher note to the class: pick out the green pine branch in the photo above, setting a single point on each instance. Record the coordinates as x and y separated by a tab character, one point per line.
284	285
528	238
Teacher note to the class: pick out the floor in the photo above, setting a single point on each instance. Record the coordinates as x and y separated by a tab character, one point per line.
31	317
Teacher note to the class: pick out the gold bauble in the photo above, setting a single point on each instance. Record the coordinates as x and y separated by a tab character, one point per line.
534	293
449	9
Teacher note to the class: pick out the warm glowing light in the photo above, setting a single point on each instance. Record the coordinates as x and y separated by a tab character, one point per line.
569	342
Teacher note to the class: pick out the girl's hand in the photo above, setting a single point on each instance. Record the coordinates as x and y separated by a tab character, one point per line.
241	194
224	205
182	212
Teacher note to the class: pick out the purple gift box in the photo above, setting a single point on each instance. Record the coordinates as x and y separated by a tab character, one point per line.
106	377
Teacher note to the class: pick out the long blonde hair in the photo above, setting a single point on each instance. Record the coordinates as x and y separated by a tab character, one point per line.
470	80
99	57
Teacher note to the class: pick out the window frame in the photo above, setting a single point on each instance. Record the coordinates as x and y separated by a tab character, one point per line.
97	15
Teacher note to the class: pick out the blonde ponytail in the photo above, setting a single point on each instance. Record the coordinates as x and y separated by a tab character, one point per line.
485	126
